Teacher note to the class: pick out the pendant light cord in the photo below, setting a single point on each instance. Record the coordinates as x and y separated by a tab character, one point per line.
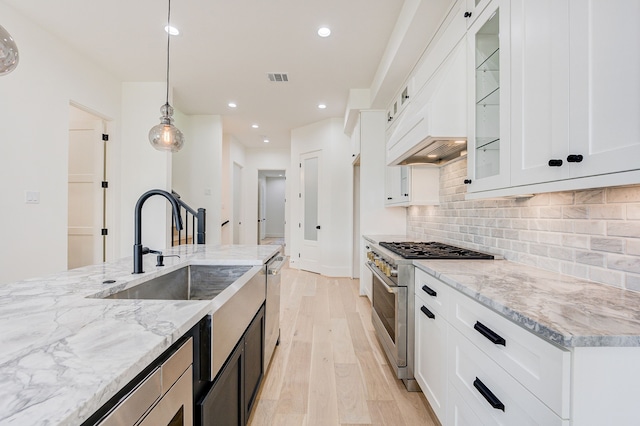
168	44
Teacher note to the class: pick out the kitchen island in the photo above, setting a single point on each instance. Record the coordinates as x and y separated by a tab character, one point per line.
65	351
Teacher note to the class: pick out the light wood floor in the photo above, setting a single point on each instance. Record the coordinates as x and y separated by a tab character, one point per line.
329	368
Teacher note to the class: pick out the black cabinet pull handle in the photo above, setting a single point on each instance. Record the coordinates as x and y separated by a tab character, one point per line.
495	338
573	158
467	14
555	163
429	291
389	198
427	312
318	227
467	181
488	395
406	195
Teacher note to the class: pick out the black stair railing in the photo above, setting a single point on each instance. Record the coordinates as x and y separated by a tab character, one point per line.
195	218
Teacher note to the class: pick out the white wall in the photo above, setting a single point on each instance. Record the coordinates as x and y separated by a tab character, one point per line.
34	117
143	167
262	159
335	193
197	169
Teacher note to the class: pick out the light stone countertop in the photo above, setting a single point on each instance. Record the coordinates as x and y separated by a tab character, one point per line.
564	310
64	354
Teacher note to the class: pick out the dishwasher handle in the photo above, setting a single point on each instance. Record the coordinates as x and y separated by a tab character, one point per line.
276	264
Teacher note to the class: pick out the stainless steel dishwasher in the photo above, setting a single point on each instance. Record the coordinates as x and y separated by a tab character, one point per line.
273	268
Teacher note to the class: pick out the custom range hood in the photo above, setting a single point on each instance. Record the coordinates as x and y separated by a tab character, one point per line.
427	137
432	129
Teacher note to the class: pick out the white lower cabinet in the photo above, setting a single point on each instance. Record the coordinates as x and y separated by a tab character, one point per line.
491	393
431	355
478	368
458	411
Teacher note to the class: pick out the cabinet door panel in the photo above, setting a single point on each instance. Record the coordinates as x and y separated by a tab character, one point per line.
539	88
605	87
254	360
431	356
488	47
223	404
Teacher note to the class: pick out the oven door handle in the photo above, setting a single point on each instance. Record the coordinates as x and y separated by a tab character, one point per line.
382	278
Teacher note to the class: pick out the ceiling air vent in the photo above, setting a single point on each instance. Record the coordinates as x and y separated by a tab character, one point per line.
278	77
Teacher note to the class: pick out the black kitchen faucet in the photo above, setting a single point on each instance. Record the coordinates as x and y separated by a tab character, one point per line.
138	250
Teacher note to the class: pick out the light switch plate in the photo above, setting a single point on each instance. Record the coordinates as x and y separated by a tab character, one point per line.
32	197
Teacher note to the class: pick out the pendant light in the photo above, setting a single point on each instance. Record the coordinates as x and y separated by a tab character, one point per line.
8	52
165	136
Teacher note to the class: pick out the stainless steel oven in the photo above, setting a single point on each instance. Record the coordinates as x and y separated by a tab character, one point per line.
392	286
389	316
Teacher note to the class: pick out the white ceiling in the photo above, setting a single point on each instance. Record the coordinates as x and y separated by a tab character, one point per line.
226	49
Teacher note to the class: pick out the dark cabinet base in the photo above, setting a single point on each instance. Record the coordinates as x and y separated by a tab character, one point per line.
228	401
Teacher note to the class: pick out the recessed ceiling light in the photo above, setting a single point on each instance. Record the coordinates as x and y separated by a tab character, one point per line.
232	105
322	106
324	32
255	126
432	156
171	30
265	140
460	142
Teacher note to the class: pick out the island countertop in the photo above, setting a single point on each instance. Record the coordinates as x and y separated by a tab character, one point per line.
64	353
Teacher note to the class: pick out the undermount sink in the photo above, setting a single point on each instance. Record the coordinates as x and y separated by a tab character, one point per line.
194	282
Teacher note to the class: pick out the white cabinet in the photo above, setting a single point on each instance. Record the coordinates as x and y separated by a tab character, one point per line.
491	393
355	142
540	90
489	99
574	101
438	95
473	9
431	331
412	185
604	94
478	368
541	367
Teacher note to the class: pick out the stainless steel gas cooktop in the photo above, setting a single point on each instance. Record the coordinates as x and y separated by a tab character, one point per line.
432	250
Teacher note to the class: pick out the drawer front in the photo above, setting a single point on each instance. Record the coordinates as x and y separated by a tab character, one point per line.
431	356
458	411
432	291
492	394
541	367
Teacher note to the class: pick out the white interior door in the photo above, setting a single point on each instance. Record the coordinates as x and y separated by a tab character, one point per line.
262	210
86	212
237	202
310	227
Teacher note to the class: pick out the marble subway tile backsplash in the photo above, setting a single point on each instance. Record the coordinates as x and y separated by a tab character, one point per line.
592	234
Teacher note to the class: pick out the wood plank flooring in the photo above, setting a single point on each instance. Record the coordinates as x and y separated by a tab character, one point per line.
329	368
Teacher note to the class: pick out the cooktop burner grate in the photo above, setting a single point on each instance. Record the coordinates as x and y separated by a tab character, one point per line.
432	250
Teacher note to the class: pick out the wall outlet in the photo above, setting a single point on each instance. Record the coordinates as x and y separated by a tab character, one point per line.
32	197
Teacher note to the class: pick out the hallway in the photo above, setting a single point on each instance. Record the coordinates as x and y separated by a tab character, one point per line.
329	368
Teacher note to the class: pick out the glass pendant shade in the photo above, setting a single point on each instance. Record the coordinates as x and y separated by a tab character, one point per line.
8	52
165	136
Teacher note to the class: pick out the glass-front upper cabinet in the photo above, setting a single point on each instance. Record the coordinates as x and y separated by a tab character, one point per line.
488	47
473	9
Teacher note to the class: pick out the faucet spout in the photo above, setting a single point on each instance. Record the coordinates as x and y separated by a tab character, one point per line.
138	250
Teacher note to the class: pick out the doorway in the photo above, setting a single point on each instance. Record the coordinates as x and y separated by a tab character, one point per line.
86	241
237	203
271	206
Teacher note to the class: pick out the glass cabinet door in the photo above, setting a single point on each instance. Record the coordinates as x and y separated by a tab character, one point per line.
489	99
